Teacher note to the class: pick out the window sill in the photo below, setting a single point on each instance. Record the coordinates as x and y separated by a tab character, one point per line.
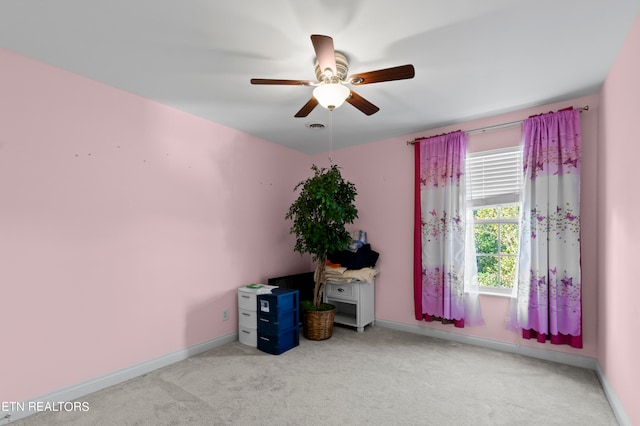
496	292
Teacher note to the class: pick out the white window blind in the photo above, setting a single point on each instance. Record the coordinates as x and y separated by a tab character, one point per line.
494	177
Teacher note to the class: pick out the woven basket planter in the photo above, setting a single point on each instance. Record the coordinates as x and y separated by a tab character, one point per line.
318	325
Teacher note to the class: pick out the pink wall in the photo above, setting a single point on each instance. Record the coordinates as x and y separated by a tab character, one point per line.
383	174
126	227
618	229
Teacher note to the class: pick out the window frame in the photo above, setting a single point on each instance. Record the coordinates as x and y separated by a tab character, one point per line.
492	199
501	290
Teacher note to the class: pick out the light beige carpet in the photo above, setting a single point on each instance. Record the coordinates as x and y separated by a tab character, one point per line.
379	377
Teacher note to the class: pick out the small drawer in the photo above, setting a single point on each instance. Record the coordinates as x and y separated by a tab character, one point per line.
248	297
282	342
342	291
280	300
247	300
273	324
247	318
248	336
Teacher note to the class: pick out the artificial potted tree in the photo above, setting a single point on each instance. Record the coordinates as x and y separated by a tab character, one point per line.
319	214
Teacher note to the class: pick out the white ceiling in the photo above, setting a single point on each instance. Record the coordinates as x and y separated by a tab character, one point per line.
473	58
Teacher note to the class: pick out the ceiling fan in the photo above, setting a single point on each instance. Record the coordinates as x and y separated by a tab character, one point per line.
332	68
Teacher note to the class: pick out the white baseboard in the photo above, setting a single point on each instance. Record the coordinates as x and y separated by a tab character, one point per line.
85	388
90	386
612	397
559	357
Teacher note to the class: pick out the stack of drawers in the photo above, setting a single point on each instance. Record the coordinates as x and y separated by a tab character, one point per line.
247	312
278	321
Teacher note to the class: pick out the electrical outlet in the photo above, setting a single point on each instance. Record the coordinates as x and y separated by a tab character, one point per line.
225	315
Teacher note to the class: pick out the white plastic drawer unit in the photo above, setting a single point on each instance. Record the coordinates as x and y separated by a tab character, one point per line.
343	292
247	312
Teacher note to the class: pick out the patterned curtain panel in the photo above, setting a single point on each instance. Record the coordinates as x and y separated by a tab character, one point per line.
442	278
548	291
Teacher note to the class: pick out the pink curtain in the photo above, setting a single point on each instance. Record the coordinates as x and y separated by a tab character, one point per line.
442	278
547	295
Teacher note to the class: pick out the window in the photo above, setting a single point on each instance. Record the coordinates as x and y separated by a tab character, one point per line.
496	236
493	193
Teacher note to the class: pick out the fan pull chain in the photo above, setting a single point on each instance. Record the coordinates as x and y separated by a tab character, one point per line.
330	137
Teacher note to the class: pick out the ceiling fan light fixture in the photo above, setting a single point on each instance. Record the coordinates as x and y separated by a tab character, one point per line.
332	73
331	95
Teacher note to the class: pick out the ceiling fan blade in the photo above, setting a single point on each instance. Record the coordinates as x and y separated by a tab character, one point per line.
362	104
325	53
388	74
307	108
281	82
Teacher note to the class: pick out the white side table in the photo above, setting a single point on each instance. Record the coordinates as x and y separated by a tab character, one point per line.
354	302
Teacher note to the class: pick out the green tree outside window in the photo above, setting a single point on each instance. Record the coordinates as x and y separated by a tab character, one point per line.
496	235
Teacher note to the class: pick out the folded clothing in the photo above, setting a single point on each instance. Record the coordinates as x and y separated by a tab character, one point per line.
363	258
344	276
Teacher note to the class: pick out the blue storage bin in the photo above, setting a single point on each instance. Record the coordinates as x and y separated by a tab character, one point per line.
282	320
280	300
279	343
278	320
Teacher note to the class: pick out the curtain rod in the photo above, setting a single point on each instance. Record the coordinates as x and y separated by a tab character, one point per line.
488	128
